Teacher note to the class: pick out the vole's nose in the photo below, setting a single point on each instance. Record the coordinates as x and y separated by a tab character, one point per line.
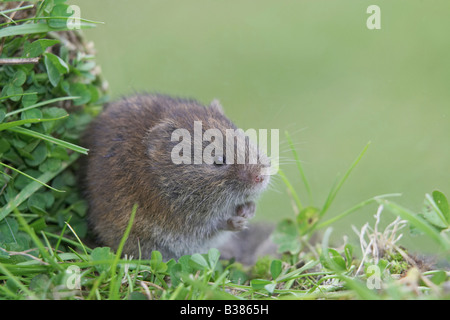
254	177
259	178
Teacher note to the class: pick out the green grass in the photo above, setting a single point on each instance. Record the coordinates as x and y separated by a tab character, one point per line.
316	271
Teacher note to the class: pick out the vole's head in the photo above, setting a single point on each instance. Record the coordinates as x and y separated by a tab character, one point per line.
200	159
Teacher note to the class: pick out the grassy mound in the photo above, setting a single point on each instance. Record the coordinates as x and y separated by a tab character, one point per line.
50	90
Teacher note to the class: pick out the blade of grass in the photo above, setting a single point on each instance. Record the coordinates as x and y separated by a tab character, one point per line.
337	186
51	18
30	231
20	269
40	104
17	282
34	186
30	177
354	208
33	28
17	9
5	292
76	236
78	255
113	292
4	12
17	95
51	139
300	168
12	124
291	189
60	239
297	273
94	289
52	253
61	234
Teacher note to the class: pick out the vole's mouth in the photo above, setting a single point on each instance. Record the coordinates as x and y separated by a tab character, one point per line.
261	182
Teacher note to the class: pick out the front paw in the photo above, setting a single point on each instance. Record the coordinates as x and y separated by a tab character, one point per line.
243	213
246	210
236	223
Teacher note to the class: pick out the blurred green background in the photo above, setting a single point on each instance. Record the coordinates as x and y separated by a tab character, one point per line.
310	67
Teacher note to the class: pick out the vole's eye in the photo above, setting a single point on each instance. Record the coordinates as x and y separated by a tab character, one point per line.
219	160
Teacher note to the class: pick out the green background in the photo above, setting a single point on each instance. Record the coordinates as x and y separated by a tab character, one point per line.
310	67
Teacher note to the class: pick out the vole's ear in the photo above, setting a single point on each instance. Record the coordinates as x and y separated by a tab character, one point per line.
159	135
164	126
215	104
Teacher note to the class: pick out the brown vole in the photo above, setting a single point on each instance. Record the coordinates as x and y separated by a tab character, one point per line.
182	208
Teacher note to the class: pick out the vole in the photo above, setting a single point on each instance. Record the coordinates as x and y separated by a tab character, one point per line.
183	208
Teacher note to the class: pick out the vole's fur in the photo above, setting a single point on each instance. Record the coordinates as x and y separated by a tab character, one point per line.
182	208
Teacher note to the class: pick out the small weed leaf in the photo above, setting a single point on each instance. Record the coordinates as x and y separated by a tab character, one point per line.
56	67
8	231
439	277
38	47
174	269
258	284
80	90
442	203
135	295
348	251
433	213
156	263
40	285
59	10
2	115
185	263
199	262
334	261
306	219
102	254
286	236
213	257
276	268
19	78
15	92
270	287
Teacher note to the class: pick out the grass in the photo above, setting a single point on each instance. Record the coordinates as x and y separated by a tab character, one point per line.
319	270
